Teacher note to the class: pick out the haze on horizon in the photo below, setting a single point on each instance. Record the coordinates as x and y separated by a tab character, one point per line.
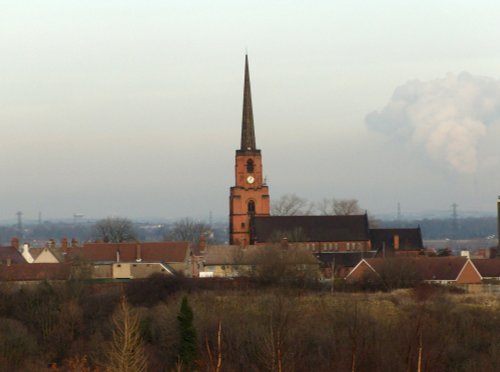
134	109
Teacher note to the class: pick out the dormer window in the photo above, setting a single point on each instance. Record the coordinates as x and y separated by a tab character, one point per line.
250	166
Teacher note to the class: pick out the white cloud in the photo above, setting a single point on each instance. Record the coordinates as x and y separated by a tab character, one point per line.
446	117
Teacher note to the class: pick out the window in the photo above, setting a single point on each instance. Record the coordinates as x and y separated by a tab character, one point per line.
250	166
243	225
251	207
336	245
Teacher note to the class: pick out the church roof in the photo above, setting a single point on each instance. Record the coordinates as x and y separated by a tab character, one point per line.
312	228
409	238
247	127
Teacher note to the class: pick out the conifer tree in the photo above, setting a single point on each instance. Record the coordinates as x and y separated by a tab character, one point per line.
187	346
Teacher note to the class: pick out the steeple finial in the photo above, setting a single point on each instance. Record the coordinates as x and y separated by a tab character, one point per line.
247	129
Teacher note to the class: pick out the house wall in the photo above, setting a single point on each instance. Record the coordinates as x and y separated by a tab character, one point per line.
143	270
121	270
181	267
359	272
468	275
46	257
101	271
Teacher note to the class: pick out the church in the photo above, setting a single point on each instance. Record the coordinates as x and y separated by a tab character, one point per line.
250	221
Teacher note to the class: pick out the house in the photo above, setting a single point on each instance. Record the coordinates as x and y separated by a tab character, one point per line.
10	255
25	272
238	261
440	270
135	259
341	262
44	255
398	241
318	233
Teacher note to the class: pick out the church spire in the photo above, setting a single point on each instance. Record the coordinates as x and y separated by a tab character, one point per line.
247	129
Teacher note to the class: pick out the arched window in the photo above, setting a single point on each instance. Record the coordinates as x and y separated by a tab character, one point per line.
250	166
251	207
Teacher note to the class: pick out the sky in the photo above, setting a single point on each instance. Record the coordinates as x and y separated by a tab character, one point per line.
133	109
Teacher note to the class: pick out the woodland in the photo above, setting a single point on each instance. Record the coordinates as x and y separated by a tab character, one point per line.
173	324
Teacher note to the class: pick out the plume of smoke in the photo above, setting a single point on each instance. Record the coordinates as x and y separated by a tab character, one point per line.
446	117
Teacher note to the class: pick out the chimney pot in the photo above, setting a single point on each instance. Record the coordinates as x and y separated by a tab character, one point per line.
14	242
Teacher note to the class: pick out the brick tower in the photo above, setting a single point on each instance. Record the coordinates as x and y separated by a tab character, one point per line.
250	195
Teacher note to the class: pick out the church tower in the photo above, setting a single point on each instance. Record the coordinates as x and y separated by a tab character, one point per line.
250	195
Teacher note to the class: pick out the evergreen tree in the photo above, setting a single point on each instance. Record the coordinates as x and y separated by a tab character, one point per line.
187	346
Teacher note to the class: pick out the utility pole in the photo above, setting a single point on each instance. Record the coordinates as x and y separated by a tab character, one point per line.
20	224
454	221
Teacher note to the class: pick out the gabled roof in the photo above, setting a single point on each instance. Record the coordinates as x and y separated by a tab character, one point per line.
488	268
428	268
29	272
149	251
36	252
11	253
409	238
312	228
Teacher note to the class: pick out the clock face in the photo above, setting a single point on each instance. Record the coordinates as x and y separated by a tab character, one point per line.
250	179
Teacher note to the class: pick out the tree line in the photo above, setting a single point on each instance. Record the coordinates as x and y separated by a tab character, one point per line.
80	327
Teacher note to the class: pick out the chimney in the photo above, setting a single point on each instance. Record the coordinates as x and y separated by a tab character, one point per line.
64	245
396	242
8	261
14	242
202	244
25	251
74	243
284	243
118	255
138	252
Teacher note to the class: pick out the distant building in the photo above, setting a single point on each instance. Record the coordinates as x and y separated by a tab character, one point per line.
439	270
134	260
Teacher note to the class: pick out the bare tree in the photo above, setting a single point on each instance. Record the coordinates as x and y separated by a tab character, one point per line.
114	230
291	205
339	207
126	352
189	230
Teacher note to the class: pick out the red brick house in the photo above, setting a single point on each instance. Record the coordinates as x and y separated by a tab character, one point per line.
441	270
25	272
135	259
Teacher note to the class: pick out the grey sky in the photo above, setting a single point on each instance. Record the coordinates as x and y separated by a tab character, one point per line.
134	108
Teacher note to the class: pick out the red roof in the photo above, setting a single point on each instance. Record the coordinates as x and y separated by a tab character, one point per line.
429	268
41	271
148	251
12	254
488	268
